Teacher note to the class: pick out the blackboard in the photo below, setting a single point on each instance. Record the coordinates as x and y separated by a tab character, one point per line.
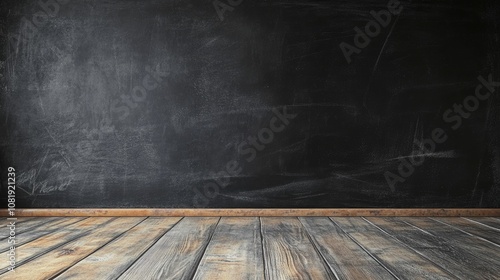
240	103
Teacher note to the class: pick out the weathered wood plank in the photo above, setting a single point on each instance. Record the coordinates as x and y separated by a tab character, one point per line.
28	225
61	258
289	253
457	261
488	233
341	253
402	261
5	220
482	249
110	261
18	221
40	231
354	248
489	221
177	253
46	243
235	251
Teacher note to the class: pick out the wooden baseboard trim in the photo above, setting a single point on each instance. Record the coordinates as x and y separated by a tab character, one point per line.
134	212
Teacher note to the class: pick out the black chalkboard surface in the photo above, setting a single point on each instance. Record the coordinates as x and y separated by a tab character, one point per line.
240	103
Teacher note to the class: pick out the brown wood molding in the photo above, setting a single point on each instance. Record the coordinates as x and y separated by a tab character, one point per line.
182	212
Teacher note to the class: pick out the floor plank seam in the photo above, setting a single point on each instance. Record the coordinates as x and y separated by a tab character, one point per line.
98	248
21	243
26	230
411	248
262	248
197	262
479	223
468	233
375	258
325	262
152	244
455	246
23	262
27	260
415	227
398	247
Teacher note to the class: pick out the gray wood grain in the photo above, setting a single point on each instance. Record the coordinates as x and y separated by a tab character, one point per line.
177	253
235	251
42	230
489	221
402	261
482	249
470	227
53	240
61	258
288	251
458	261
25	225
110	261
343	255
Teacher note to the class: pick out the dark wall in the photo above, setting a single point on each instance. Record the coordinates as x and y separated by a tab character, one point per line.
250	103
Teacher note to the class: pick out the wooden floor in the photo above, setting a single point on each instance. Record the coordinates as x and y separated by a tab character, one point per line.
253	248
